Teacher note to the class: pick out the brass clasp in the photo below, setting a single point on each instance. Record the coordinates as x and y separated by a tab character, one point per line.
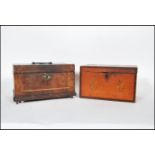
46	76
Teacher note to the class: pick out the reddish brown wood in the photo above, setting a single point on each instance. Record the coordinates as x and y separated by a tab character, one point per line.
43	81
108	82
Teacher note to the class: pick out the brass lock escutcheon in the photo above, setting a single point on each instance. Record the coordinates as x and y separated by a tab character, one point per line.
46	76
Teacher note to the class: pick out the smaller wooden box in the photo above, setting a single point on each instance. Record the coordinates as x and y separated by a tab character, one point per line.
39	81
108	82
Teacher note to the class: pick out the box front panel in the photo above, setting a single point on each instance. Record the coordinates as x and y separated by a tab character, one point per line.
108	85
44	83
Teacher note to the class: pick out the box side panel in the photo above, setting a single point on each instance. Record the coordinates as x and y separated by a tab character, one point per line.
54	85
111	86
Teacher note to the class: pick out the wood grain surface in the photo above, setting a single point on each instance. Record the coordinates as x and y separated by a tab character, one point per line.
111	83
33	82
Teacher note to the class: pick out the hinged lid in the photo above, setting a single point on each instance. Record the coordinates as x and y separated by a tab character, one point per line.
106	68
42	68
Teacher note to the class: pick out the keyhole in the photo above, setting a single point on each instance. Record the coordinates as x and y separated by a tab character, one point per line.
106	76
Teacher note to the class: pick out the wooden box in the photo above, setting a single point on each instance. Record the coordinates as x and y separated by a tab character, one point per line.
38	81
108	82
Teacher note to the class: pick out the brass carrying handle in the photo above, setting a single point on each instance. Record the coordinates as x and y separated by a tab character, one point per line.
41	63
46	76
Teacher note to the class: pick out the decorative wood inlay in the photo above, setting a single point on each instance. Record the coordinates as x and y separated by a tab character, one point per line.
46	89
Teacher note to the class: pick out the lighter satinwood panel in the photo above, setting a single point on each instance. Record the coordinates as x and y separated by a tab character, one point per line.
107	85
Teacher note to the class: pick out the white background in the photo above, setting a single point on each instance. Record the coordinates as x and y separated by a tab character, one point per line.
77	12
128	45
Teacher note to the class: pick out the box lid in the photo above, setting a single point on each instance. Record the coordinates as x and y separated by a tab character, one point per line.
110	68
42	68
